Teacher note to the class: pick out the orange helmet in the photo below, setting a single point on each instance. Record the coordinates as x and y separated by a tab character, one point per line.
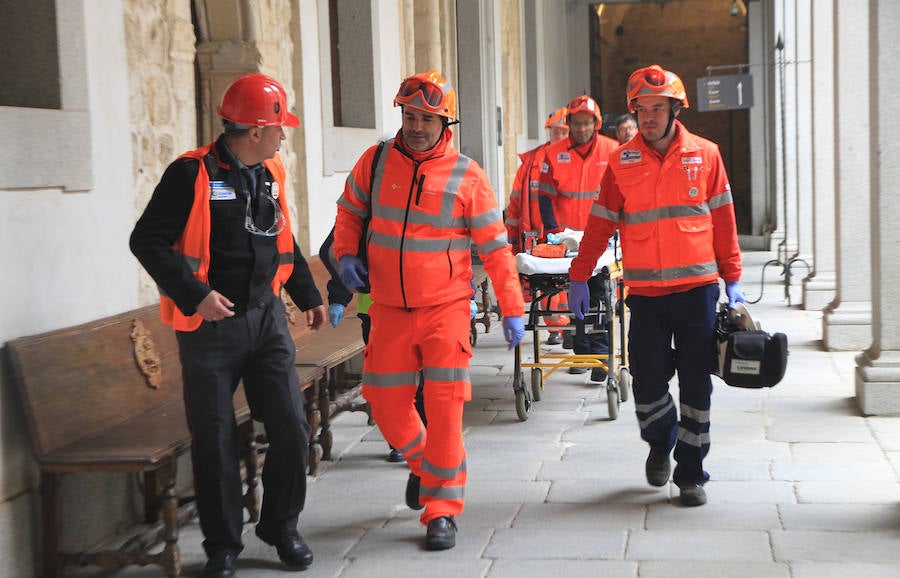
557	118
585	103
429	92
655	81
256	100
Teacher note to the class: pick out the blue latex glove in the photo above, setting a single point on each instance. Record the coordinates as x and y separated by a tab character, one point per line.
335	313
734	293
513	330
352	272
579	298
553	238
473	309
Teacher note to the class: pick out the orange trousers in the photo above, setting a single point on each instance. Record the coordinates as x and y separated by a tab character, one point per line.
558	302
434	340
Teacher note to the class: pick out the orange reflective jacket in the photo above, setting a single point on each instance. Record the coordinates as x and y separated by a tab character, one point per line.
425	215
675	215
572	181
523	213
193	244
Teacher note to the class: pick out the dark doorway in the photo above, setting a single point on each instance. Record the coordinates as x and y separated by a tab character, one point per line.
684	36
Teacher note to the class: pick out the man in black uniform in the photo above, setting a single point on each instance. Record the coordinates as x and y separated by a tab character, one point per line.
217	240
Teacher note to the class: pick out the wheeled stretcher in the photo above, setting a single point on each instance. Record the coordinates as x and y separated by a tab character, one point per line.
543	279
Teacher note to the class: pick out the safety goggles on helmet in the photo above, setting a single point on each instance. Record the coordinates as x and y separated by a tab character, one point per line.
654	81
428	92
585	103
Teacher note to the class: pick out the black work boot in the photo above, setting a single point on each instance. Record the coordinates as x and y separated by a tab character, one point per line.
412	492
658	467
441	534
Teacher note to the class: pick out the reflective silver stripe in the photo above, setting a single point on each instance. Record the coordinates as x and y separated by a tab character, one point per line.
447	373
485	219
602	212
379	173
193	263
720	200
389	379
361	213
543	187
514	194
361	194
285	258
413	456
692	439
443	492
499	242
416	442
443	473
417	245
670	274
533	195
671	212
510	222
654	411
579	194
698	415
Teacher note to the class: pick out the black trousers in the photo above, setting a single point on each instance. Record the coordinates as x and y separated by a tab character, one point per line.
257	348
592	343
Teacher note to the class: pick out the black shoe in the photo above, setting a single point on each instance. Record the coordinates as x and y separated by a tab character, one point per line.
292	550
395	456
692	495
412	492
598	374
221	565
575	370
441	534
554	338
657	468
568	340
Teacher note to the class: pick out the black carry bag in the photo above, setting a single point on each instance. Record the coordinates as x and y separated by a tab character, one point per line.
748	356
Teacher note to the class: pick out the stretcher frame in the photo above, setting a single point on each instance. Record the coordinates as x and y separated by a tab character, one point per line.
607	316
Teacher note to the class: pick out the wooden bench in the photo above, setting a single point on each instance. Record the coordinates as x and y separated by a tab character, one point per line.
107	396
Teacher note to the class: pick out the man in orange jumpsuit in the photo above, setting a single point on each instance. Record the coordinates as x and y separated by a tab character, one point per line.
524	214
569	183
426	205
667	192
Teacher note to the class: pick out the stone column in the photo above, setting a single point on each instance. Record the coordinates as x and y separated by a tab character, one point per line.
801	190
847	321
878	368
428	35
819	286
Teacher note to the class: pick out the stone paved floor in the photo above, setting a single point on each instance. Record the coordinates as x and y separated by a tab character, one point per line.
802	486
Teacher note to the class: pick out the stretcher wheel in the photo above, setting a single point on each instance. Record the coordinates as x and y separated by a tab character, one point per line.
523	404
537	383
624	383
612	402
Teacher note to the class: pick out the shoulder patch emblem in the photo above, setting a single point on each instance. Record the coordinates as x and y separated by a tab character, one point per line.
692	160
563	158
630	156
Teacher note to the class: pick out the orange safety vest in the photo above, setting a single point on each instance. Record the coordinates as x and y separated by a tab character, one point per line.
425	216
572	182
675	214
193	244
523	213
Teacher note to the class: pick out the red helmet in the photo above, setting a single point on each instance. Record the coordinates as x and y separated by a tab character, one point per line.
429	92
654	81
557	118
585	103
256	100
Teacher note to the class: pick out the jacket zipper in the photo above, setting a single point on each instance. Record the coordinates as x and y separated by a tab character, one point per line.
409	197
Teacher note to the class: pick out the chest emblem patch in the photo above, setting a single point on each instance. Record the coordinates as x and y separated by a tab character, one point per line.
630	156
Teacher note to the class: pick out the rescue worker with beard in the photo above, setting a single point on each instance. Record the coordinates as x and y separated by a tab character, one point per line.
427	205
216	237
569	183
667	192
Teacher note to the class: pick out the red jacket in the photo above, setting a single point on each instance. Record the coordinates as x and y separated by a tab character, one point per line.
523	213
571	179
675	215
427	209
